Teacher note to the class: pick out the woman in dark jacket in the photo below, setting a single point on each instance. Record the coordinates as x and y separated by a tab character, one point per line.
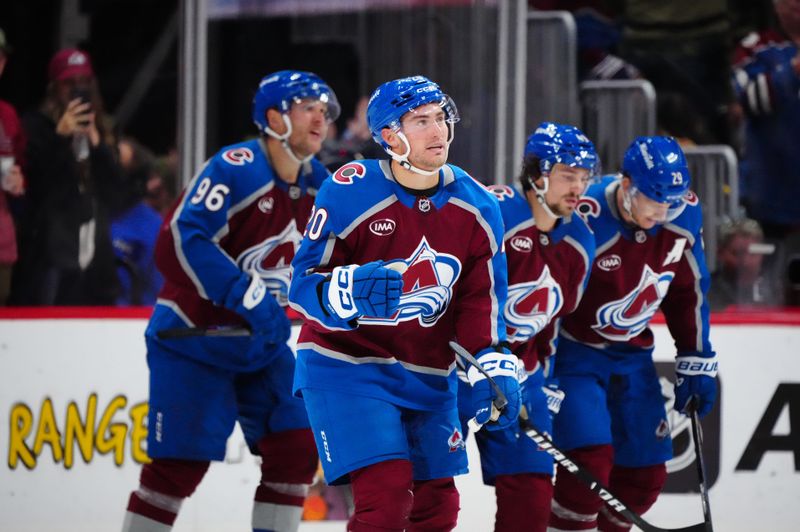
66	256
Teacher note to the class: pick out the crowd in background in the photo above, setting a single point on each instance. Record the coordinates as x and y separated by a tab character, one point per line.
81	202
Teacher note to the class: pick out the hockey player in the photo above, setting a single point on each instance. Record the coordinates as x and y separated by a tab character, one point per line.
225	251
767	84
647	228
374	366
550	251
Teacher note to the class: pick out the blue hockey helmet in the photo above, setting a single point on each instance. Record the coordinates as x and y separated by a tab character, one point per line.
558	143
280	89
393	99
658	168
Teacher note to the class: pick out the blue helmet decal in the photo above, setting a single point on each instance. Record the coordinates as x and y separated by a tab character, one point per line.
280	89
393	99
657	168
558	143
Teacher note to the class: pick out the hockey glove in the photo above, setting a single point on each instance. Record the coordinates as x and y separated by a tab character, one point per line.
369	290
250	299
695	377
502	367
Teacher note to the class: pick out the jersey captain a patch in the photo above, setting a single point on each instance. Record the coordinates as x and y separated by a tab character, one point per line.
624	318
531	306
427	287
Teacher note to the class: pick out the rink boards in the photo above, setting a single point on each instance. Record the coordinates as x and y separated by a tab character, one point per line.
73	390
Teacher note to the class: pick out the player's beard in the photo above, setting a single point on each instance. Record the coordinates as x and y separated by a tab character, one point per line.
562	208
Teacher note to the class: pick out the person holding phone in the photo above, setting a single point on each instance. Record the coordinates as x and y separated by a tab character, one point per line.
66	257
12	179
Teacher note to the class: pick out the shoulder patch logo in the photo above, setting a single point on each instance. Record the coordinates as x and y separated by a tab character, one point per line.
523	244
347	174
382	227
609	263
588	207
238	156
501	192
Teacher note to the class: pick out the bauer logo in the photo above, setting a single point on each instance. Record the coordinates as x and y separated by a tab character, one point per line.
681	469
523	244
609	263
382	227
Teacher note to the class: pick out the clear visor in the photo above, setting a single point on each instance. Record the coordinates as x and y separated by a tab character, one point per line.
643	207
442	114
572	176
332	108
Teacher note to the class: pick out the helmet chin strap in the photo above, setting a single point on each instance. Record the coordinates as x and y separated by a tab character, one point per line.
627	203
403	161
284	139
540	192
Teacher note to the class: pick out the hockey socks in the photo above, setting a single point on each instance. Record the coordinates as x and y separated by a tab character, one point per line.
288	463
435	505
163	484
523	502
574	506
638	488
383	497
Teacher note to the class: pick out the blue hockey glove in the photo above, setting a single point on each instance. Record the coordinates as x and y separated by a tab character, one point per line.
369	290
695	378
250	299
502	367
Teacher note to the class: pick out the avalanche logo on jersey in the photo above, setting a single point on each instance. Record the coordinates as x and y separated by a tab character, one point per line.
621	320
427	287
271	260
531	306
238	156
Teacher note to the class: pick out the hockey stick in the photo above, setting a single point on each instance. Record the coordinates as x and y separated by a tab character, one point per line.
697	436
546	444
194	332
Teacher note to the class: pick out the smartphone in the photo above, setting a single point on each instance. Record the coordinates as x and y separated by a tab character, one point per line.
85	96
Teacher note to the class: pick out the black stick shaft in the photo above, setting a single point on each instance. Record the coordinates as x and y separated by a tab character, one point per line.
194	332
697	436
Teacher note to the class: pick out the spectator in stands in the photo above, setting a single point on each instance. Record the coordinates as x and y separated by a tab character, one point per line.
12	180
767	81
135	229
162	186
73	177
739	278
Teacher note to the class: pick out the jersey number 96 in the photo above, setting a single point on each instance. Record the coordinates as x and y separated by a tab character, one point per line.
214	199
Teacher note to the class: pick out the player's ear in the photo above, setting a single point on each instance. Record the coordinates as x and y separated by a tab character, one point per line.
390	137
275	121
